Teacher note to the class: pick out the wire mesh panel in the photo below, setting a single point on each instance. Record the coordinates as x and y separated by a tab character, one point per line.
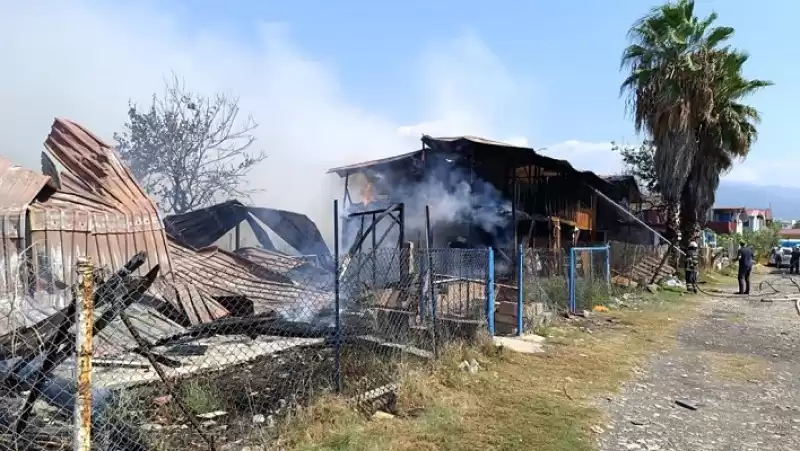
636	264
590	278
225	347
380	320
457	292
545	278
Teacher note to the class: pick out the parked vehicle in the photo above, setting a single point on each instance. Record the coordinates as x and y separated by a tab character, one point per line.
784	247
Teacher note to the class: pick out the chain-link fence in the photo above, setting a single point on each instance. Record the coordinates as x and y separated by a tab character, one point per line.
579	278
545	285
633	265
114	362
589	277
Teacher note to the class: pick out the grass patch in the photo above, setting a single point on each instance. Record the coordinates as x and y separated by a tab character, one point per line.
736	367
514	402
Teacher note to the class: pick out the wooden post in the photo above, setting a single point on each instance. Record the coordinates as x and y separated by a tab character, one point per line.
84	336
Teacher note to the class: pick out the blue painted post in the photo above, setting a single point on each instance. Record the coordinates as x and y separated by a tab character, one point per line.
572	280
490	292
520	289
608	266
336	297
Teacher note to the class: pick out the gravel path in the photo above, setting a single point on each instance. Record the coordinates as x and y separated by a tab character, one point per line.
735	369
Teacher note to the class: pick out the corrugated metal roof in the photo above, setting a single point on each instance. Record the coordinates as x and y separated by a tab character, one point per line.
477	140
454	143
202	227
219	273
19	187
100	210
275	261
97	209
342	170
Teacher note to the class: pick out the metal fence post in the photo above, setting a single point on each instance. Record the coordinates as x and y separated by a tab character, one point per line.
520	289
608	266
572	280
84	350
490	292
423	311
336	298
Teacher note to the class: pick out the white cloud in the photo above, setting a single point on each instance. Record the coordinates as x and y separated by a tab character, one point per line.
84	62
588	156
599	158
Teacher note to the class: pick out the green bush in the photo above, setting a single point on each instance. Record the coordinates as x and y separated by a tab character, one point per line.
761	241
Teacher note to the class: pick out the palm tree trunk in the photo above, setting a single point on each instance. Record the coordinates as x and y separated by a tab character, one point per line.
690	221
672	225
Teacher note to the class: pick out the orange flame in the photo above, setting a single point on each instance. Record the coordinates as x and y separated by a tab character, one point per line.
367	194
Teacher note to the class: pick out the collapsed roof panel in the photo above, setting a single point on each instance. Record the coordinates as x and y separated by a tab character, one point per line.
203	227
275	261
222	274
95	208
100	210
19	187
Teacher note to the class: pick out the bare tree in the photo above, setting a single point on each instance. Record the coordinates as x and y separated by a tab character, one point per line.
187	150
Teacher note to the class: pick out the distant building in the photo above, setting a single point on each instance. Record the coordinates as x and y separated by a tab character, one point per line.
726	220
785	223
789	234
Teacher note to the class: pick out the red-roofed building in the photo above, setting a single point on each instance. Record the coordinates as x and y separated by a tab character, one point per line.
726	220
789	234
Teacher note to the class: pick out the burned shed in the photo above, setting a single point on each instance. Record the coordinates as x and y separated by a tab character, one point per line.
86	203
480	192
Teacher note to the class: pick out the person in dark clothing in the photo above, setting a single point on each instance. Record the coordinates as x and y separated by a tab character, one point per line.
794	260
692	263
745	258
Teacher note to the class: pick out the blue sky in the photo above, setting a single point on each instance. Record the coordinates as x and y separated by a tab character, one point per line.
567	51
331	83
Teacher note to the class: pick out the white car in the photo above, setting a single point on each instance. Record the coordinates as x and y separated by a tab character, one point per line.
785	249
785	253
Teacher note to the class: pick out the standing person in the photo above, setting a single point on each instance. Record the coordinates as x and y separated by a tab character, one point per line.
778	257
745	258
692	262
794	260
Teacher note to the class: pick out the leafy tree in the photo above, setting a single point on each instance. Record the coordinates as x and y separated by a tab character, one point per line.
638	161
187	150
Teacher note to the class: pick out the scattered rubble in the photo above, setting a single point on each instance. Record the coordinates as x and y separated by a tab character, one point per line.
469	366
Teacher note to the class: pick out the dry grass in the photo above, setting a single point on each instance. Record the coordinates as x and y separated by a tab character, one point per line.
736	367
515	402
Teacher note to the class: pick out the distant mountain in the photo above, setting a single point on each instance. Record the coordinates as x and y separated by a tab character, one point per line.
785	201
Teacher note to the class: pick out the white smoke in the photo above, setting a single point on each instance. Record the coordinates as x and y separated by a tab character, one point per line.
85	60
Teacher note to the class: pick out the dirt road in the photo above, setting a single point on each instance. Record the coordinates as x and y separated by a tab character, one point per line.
732	382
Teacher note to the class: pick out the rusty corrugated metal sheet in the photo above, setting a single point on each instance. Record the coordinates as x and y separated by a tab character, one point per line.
96	209
220	273
280	263
100	211
18	188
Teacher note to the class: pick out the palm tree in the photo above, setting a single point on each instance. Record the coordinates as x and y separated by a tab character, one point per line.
663	90
683	90
725	134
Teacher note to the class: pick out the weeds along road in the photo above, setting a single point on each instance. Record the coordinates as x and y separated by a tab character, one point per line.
732	382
